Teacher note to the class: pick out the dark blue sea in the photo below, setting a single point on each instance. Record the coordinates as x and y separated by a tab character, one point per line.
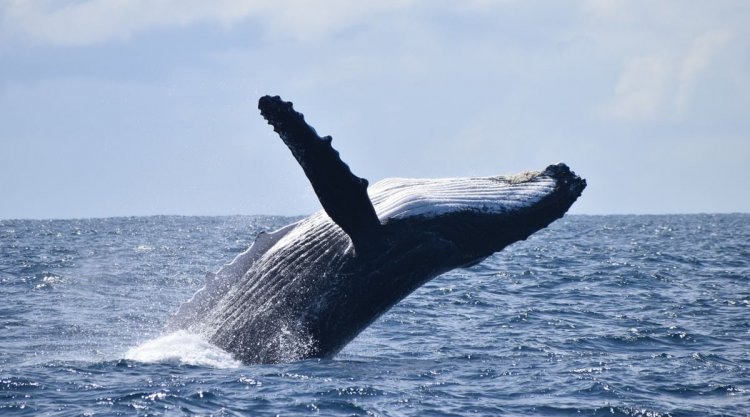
595	315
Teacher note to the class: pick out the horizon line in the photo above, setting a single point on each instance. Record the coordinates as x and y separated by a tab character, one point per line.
305	215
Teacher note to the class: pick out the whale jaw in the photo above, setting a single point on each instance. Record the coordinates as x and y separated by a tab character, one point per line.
401	198
478	216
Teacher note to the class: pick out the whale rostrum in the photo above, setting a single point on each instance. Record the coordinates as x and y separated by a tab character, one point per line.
309	288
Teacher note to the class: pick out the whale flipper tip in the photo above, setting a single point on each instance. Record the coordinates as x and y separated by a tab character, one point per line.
342	194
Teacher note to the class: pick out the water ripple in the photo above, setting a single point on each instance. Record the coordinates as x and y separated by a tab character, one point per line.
596	315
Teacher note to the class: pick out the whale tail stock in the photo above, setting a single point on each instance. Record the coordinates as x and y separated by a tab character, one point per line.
342	194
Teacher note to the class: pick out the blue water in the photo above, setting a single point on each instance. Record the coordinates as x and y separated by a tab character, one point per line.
596	315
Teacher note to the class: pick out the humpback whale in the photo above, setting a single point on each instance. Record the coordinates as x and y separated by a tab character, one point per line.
309	288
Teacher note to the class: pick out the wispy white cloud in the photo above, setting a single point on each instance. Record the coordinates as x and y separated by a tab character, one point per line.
605	8
664	51
641	89
95	21
660	85
695	63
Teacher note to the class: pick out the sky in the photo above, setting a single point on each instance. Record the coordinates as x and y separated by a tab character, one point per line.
144	107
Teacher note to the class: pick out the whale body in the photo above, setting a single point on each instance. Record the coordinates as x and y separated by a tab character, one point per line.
309	288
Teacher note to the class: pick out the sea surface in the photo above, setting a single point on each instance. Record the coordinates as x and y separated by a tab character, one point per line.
595	315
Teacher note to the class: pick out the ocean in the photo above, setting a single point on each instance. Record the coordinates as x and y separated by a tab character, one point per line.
593	316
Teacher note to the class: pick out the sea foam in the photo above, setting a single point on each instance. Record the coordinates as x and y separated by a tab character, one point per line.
183	347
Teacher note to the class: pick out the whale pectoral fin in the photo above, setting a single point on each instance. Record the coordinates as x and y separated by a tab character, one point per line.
342	194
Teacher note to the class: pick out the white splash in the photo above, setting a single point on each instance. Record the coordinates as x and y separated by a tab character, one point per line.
182	347
293	343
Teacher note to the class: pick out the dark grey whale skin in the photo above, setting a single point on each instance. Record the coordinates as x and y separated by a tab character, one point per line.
308	289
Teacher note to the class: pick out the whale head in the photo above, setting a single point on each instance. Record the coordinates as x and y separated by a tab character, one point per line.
479	216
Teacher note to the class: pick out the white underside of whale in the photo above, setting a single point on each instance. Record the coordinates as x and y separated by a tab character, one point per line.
399	198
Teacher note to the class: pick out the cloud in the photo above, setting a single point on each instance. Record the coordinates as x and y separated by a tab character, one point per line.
605	8
660	85
642	88
696	62
665	54
96	21
661	66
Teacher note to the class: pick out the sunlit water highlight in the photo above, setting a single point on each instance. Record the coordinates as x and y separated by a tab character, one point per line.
611	315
